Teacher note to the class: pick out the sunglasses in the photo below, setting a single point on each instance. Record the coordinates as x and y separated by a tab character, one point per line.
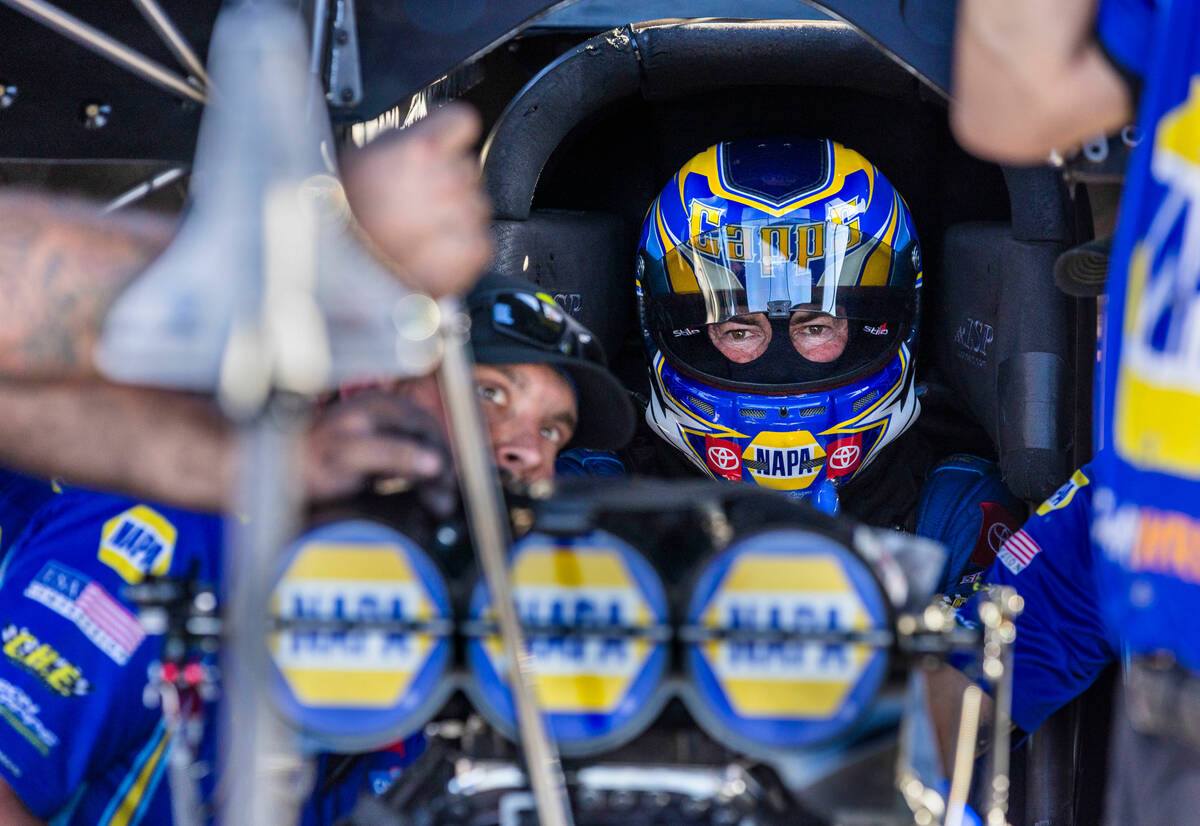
537	321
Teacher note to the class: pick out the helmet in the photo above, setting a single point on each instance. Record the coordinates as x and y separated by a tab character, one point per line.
778	285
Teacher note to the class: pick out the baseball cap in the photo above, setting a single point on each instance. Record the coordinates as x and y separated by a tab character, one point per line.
513	322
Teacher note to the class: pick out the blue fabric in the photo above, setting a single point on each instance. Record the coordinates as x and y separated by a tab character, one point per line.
1062	644
965	506
75	738
583	462
20	497
1124	28
1146	503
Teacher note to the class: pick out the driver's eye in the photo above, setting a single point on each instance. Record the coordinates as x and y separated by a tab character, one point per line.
738	335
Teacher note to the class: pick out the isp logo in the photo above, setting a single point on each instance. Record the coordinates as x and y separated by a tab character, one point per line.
770	693
358	688
596	690
784	461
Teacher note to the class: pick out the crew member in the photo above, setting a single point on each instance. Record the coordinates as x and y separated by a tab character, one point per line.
1032	77
77	745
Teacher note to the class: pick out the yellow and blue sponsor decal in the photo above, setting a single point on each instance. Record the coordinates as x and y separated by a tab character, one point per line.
769	692
595	690
136	542
366	686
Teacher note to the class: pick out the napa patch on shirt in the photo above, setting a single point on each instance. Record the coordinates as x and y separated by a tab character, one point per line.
137	542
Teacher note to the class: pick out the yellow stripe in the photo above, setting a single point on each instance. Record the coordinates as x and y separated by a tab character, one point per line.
129	805
580	693
786	699
570	568
350	561
352	689
778	573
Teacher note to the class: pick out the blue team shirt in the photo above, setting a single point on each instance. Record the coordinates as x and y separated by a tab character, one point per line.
77	743
1146	479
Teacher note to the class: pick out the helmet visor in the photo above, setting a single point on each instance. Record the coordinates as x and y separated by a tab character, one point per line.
782	305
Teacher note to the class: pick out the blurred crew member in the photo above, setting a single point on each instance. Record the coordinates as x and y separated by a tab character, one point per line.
1031	77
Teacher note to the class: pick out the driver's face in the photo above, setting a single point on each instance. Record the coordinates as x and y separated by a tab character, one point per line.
818	337
531	414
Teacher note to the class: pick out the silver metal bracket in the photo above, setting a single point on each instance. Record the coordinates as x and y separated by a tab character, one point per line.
345	75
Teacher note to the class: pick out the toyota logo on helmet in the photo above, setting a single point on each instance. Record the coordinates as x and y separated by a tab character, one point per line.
722	457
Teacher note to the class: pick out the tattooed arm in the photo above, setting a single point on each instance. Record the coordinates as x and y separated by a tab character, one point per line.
61	265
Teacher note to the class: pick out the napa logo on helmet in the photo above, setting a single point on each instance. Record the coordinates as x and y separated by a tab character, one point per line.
137	542
784	461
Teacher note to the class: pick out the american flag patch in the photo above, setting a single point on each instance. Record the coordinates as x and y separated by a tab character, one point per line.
1018	551
107	623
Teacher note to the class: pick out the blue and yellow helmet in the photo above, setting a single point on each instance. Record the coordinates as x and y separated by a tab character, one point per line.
778	284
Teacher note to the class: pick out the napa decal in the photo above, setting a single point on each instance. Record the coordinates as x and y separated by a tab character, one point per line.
595	688
137	542
1063	496
367	665
770	690
53	670
784	461
1160	355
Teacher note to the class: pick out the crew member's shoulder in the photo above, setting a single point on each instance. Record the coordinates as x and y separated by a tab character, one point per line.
120	538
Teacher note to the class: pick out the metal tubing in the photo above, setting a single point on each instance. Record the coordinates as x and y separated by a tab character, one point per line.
489	529
91	38
170	35
964	755
143	189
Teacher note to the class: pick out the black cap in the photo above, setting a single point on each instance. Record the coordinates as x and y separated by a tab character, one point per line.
1081	270
606	417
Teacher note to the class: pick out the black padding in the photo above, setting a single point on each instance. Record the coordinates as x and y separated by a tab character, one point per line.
681	58
668	60
578	257
1039	205
1002	338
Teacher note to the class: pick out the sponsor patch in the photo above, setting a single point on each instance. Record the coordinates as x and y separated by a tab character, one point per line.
103	620
844	456
21	713
1167	543
1018	551
995	528
685	331
722	458
137	542
55	671
1063	496
784	461
881	330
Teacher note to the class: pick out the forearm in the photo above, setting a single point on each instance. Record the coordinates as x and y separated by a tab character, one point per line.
152	443
1029	77
61	265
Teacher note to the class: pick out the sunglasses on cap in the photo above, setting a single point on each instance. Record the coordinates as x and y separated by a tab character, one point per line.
535	320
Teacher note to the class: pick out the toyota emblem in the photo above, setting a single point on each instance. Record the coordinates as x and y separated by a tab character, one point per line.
844	457
998	534
722	457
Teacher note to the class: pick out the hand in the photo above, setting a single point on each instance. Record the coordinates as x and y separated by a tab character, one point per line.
376	437
417	196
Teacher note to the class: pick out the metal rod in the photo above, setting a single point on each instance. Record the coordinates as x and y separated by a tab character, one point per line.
170	35
91	38
489	530
964	755
319	20
143	189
